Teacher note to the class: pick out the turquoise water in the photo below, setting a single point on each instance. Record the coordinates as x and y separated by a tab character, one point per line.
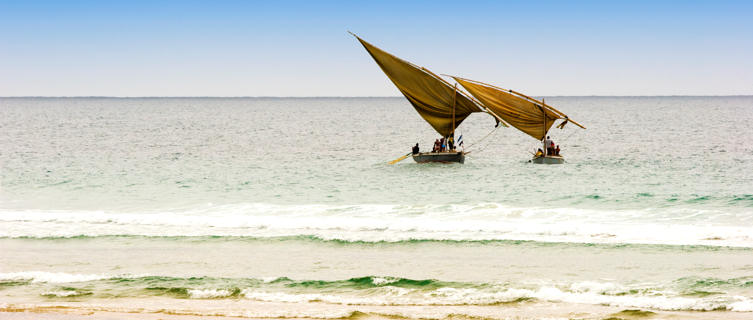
636	153
282	200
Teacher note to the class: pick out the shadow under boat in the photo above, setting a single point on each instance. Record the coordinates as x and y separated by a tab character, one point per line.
441	157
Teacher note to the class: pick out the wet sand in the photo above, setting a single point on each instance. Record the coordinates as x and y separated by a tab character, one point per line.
176	309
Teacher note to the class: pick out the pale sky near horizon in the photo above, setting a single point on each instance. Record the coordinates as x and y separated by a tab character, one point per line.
302	48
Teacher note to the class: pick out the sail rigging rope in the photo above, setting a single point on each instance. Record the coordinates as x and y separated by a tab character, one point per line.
568	137
495	130
482	139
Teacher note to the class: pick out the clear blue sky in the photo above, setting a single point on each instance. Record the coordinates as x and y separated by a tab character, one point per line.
302	48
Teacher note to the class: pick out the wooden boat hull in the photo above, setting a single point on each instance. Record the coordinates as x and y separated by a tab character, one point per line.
548	160
442	157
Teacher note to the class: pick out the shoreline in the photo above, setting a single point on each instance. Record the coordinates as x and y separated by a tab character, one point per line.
223	309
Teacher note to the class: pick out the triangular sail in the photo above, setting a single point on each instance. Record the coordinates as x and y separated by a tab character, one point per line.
430	95
528	115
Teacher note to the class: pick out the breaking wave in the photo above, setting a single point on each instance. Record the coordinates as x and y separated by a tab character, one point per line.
51	277
394	223
688	294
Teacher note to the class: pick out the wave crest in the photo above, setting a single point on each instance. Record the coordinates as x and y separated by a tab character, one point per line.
394	223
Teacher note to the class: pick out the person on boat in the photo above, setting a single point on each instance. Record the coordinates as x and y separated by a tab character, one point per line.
557	151
436	146
442	145
539	153
415	148
549	145
451	142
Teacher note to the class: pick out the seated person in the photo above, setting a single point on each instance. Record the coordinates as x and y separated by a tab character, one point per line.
557	151
415	148
539	153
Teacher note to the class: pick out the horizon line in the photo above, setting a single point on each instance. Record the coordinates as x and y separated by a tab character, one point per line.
330	97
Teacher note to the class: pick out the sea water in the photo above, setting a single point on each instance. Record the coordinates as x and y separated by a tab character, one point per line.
286	207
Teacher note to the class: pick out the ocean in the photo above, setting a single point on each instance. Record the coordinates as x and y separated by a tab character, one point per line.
173	208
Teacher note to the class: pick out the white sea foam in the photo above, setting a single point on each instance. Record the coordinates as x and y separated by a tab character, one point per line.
587	292
52	277
743	304
209	293
367	223
584	294
382	281
596	287
387	295
290	297
64	293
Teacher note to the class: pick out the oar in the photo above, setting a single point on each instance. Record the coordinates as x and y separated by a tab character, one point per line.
401	158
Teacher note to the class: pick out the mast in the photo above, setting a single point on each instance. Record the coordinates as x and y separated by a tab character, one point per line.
542	107
454	97
543	139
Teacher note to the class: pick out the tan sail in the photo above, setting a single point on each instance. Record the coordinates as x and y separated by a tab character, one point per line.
525	113
434	99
